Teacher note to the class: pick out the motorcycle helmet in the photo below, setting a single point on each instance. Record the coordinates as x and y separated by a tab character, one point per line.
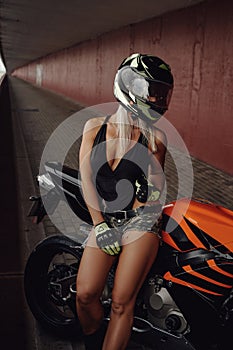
143	84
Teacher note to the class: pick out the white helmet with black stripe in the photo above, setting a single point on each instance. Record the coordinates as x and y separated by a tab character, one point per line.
143	84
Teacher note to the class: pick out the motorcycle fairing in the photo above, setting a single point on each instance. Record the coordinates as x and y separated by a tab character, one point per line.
69	182
190	224
191	278
201	237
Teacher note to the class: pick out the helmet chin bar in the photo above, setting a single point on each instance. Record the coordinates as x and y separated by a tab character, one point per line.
146	113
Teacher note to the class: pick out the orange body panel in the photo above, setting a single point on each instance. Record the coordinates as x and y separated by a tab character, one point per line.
189	269
168	276
213	266
201	233
216	221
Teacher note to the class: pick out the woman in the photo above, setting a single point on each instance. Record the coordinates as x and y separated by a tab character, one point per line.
121	165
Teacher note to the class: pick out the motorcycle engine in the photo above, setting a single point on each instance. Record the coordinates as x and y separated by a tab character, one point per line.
162	310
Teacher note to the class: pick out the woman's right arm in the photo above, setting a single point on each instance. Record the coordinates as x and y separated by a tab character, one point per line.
89	189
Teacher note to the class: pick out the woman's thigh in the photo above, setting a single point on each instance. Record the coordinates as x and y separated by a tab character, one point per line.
134	264
93	269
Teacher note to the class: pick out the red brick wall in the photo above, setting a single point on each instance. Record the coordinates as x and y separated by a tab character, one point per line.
198	44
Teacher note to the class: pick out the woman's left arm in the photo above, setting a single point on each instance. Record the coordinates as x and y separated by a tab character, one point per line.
156	169
149	189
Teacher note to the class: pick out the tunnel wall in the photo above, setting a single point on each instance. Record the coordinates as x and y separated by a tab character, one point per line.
195	41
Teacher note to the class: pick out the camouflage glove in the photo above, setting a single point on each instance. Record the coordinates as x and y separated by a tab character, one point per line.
107	239
146	191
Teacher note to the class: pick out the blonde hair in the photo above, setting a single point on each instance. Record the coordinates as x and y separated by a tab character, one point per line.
125	123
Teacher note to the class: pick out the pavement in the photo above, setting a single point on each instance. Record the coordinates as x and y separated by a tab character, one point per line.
36	113
13	316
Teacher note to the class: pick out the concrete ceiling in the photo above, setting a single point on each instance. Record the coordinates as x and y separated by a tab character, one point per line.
30	29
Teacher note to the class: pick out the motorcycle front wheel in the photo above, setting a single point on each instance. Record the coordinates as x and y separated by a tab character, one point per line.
49	284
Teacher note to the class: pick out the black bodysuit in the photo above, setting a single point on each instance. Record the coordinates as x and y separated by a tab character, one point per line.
116	188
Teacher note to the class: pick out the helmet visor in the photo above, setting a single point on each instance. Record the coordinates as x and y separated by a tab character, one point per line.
156	93
159	94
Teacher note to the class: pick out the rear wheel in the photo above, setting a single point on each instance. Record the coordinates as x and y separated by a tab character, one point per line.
49	282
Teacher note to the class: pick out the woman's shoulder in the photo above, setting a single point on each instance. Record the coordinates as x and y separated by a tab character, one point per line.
93	124
160	136
159	140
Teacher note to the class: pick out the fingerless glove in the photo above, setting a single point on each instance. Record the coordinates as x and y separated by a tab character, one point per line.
107	239
146	191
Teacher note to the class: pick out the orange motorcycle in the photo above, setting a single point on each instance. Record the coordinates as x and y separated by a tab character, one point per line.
186	301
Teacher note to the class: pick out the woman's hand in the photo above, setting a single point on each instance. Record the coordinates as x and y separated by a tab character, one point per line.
146	191
107	239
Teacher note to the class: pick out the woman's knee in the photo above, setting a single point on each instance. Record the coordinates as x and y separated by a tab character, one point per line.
122	304
86	296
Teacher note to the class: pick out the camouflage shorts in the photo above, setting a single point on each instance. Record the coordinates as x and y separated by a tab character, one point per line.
148	222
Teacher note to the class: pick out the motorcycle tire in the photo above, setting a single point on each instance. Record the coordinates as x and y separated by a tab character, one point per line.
52	312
